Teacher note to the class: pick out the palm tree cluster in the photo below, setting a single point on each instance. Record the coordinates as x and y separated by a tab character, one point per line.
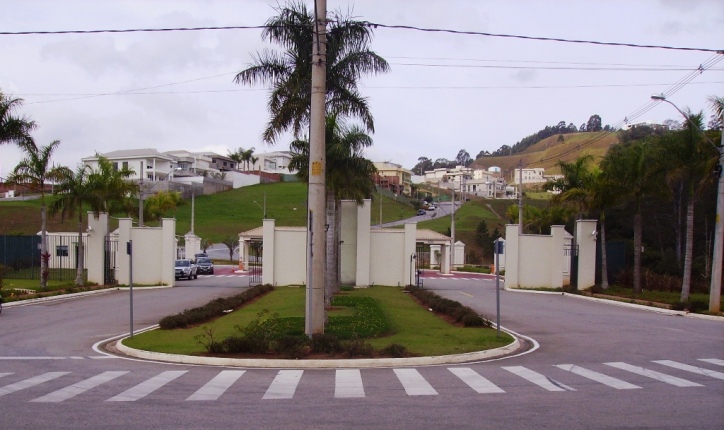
13	129
289	74
644	178
243	156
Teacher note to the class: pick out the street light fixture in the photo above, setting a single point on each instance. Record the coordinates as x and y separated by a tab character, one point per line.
716	267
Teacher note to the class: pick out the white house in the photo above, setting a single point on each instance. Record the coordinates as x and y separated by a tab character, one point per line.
273	162
147	163
530	175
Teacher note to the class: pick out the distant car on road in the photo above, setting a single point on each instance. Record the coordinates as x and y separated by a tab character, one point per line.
205	265
431	207
421	212
186	269
199	255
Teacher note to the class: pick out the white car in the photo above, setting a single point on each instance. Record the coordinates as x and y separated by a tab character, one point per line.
186	269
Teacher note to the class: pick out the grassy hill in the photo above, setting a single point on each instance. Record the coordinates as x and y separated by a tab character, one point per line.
547	152
216	216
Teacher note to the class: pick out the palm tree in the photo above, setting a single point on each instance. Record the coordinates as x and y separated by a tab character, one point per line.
13	129
348	176
74	193
689	161
231	242
290	73
35	171
632	175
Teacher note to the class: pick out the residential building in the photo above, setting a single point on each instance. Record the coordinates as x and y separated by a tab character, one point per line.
220	162
274	162
393	177
191	164
530	176
147	163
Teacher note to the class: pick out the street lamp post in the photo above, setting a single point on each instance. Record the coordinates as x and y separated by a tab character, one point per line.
716	266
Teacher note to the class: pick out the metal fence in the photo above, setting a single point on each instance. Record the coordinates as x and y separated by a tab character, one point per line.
22	255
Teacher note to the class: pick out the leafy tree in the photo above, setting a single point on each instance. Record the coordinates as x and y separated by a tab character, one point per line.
206	244
13	129
594	123
35	171
423	164
290	73
463	158
482	154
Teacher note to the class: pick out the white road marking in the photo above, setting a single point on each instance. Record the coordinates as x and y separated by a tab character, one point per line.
79	388
147	387
653	375
30	382
598	377
4	374
713	361
469	295
693	369
537	379
414	383
284	385
217	386
478	383
348	383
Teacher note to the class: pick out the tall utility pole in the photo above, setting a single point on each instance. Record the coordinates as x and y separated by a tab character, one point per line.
452	229
520	197
314	322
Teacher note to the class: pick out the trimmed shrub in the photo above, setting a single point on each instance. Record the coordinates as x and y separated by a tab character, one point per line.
357	348
213	309
394	350
462	314
326	343
292	347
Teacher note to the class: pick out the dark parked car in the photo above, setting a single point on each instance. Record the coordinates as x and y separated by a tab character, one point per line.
205	265
186	269
199	255
421	212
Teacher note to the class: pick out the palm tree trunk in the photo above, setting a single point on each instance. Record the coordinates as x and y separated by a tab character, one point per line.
688	251
330	269
79	264
637	251
44	256
604	260
677	229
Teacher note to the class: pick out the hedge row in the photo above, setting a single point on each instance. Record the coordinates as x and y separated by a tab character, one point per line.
213	309
461	314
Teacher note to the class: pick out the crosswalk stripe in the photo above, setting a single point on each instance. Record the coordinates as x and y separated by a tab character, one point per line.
217	386
662	377
348	383
598	377
713	361
475	381
79	388
4	374
537	379
147	387
30	382
284	385
414	383
693	369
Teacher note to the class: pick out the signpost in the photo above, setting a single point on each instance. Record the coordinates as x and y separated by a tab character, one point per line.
129	251
498	250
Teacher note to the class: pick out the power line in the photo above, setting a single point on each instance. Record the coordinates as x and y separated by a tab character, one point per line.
539	38
371	25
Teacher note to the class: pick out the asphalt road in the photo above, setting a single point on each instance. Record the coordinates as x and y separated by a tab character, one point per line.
597	366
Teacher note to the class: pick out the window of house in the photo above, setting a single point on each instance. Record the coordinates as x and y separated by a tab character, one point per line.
125	165
61	251
115	166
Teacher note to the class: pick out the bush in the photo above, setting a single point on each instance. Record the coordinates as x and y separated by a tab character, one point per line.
394	350
236	344
326	343
698	306
451	308
213	309
357	348
293	347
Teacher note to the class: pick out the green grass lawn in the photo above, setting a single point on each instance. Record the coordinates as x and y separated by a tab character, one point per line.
405	318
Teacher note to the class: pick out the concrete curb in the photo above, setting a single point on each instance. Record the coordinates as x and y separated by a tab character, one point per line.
320	364
76	295
624	304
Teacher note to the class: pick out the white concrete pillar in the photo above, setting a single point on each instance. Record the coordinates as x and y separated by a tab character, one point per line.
511	256
168	251
556	255
95	253
192	245
122	257
586	237
364	240
410	240
435	255
267	274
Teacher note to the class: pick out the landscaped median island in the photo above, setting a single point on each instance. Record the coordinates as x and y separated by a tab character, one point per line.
370	322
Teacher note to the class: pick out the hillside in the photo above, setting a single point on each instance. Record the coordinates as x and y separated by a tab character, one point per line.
547	152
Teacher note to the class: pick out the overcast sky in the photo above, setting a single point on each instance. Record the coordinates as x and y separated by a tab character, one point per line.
444	92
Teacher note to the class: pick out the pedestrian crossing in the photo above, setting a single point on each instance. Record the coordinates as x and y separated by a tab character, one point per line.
350	383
